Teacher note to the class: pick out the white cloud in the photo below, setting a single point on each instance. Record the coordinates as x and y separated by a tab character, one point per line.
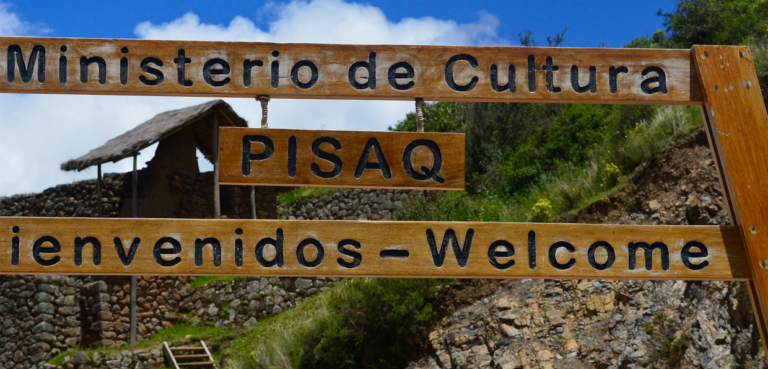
12	25
41	131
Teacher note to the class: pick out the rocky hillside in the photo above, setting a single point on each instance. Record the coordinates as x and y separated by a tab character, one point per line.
610	324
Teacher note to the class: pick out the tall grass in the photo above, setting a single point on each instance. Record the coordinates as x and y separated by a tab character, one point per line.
570	187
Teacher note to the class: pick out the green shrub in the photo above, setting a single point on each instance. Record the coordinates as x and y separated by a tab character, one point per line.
542	211
373	323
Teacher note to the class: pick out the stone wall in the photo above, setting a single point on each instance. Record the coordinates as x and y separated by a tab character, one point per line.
151	357
350	204
242	302
197	198
39	318
45	315
108	300
68	200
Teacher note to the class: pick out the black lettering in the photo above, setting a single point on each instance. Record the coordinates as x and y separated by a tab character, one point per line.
507	251
553	255
426	173
531	73
15	246
661	79
380	164
145	66
337	164
209	71
648	254
215	246
277	244
80	243
613	77
63	66
550	69
462	254
38	249
532	250
686	255
608	249
247	70
124	67
100	63
393	76
292	152
449	72
369	66
275	69
591	86
357	258
239	249
300	253
248	157
181	68
37	57
394	254
510	79
159	251
295	74
126	259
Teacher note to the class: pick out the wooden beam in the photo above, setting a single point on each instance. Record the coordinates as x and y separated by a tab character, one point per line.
216	194
291	157
382	72
135	211
98	190
385	249
253	203
738	125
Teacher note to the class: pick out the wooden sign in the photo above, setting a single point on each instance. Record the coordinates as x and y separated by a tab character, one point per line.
248	69
341	158
350	248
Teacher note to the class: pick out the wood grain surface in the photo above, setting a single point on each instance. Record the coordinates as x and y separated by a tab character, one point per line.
248	69
738	122
285	157
384	249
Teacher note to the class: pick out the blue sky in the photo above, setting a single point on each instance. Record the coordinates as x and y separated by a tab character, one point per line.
591	23
74	124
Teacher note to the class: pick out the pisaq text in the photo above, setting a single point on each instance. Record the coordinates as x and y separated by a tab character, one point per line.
271	252
369	72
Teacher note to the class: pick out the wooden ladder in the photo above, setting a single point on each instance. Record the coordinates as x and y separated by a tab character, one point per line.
188	356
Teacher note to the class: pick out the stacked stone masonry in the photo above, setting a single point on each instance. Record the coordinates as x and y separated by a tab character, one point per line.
40	319
352	204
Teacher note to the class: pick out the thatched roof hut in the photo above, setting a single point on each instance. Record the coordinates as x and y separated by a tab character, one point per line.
198	118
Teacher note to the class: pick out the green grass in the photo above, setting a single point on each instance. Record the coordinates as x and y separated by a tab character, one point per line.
202	281
302	193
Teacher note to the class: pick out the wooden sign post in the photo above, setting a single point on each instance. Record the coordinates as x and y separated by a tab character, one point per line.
721	79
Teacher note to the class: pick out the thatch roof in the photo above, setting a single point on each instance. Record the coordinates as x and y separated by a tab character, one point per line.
198	117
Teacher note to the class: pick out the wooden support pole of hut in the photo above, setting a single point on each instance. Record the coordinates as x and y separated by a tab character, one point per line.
253	202
215	157
134	203
98	190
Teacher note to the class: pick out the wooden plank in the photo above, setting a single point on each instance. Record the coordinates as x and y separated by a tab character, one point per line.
738	123
210	357
352	248
169	355
402	72
286	157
